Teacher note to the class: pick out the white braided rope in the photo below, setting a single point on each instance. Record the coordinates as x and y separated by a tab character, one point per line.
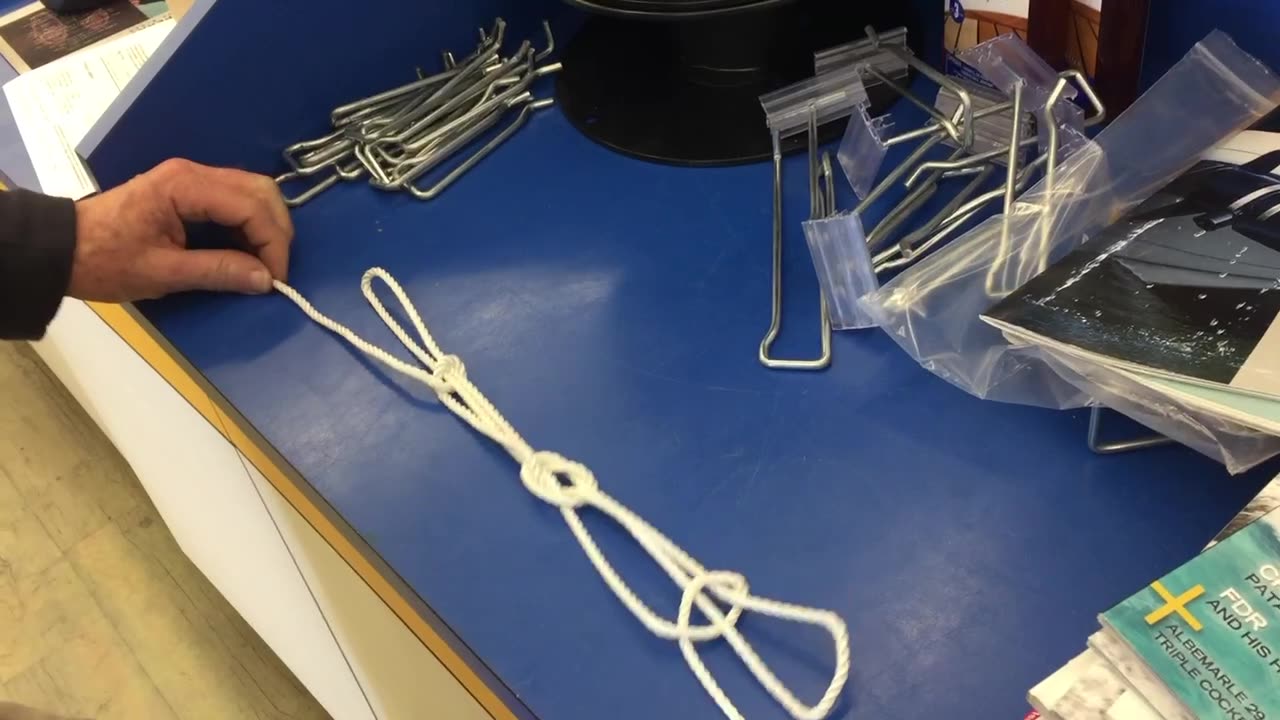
570	486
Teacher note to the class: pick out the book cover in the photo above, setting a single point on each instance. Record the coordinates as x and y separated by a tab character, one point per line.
1211	628
1186	286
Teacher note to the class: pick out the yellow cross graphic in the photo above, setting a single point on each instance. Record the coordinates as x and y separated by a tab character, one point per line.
1175	605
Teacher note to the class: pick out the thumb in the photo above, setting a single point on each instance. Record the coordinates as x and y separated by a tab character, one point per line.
214	270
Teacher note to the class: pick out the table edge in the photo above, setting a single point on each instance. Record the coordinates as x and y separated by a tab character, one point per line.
137	332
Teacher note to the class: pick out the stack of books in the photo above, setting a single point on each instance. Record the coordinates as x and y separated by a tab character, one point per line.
1180	297
1202	642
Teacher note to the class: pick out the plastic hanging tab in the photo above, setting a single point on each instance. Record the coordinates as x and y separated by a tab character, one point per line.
842	260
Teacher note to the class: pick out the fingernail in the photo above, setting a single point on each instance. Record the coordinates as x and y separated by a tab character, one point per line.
260	280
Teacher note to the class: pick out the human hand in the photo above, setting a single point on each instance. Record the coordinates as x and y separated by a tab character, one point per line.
131	244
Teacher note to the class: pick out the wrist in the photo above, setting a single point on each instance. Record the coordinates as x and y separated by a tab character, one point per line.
39	241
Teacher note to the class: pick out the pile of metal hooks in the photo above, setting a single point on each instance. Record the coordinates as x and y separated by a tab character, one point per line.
396	138
985	129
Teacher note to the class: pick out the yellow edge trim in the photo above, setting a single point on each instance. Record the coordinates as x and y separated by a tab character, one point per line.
141	340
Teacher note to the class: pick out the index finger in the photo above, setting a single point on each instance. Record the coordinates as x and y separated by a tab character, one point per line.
236	199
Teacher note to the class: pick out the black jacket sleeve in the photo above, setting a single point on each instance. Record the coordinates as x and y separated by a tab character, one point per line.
37	245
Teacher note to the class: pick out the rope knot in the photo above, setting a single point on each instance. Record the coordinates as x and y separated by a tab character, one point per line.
558	480
449	369
726	586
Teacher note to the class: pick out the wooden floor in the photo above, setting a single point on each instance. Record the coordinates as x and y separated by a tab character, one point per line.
101	615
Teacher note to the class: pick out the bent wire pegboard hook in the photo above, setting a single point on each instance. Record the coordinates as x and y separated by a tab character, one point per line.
1114	447
821	202
481	154
927	70
1050	116
803	107
956	215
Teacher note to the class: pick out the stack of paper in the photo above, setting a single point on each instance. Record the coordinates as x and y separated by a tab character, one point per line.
34	35
1116	678
1179	299
55	105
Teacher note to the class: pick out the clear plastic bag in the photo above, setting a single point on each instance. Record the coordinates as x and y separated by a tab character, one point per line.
1185	419
1006	60
932	309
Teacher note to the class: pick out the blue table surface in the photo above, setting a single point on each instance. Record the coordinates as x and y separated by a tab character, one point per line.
15	163
612	309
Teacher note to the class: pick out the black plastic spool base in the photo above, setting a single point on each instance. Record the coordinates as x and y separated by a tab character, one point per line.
680	82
